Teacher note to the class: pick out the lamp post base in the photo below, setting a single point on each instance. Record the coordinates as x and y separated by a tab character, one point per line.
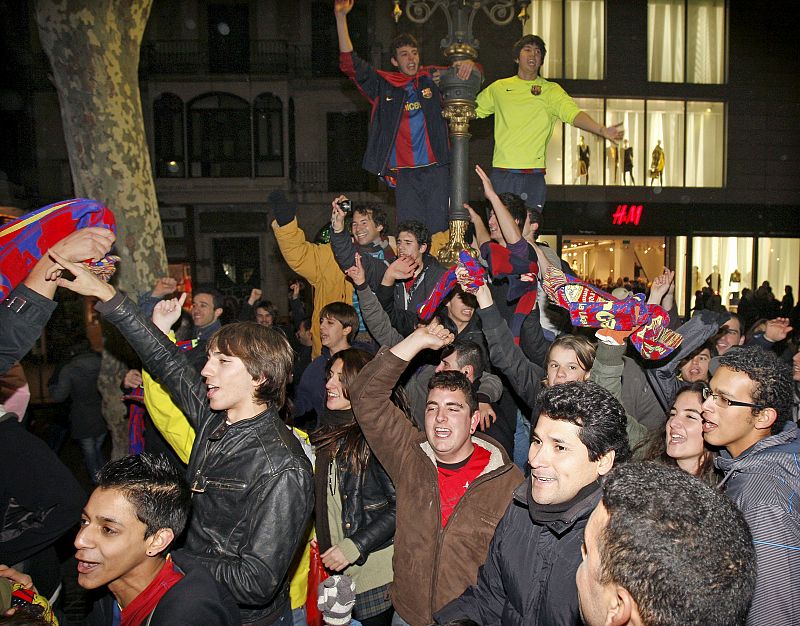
448	255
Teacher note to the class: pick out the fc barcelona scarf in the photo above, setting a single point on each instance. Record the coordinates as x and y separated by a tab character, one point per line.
25	240
522	271
594	308
448	281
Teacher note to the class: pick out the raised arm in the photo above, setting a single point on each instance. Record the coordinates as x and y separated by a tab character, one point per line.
164	360
525	377
390	435
505	221
27	309
375	318
340	9
345	250
585	122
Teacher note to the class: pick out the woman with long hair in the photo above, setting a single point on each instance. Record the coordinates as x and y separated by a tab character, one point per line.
355	499
682	442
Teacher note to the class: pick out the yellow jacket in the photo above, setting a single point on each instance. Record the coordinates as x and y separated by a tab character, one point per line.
314	262
438	241
178	433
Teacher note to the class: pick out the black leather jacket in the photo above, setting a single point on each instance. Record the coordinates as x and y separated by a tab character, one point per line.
252	484
369	513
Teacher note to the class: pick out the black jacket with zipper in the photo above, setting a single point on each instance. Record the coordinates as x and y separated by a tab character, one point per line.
369	512
528	578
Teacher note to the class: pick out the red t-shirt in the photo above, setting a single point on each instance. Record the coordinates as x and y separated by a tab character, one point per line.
455	479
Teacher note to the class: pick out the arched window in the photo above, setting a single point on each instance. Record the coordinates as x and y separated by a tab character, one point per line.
219	136
168	127
268	131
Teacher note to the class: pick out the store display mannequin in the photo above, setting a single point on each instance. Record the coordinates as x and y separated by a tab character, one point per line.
733	284
657	164
613	161
696	285
714	279
583	161
627	163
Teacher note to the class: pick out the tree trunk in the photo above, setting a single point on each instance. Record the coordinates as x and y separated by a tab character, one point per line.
93	47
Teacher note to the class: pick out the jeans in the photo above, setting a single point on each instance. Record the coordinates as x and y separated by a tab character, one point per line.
399	621
299	616
522	442
530	187
92	448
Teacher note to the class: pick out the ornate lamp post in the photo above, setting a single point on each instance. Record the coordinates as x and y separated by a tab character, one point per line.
459	95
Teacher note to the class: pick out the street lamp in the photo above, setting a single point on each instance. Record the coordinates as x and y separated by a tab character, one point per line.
459	95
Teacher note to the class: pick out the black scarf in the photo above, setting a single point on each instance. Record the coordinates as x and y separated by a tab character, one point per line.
555	512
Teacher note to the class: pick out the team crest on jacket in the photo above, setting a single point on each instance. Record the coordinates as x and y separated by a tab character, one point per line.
427	93
536	90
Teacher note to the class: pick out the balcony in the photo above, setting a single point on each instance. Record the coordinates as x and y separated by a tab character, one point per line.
263	57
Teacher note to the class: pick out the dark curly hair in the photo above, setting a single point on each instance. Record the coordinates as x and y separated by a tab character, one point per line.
599	415
530	40
377	213
418	229
771	378
403	39
455	381
680	548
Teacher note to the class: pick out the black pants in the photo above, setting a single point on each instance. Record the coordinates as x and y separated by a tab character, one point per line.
423	194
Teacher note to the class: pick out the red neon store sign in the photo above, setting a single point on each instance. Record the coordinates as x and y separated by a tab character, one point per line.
627	214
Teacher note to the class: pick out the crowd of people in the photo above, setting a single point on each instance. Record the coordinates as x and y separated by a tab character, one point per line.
495	442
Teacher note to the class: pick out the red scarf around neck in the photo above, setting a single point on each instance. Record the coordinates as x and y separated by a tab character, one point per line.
145	603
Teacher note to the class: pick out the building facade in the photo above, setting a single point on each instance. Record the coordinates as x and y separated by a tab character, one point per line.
244	97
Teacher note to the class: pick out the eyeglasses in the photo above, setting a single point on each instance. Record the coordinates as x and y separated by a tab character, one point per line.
723	402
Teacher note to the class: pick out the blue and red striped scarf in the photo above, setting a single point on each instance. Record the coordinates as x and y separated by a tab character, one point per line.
25	240
592	307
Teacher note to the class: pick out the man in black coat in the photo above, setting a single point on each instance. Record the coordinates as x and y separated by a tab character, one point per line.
529	574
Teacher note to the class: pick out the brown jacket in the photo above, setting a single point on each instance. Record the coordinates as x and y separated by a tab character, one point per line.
432	565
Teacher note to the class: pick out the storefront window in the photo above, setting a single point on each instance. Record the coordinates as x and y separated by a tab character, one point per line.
705	144
705	42
584	49
686	41
631	165
778	263
547	21
665	44
582	54
608	261
583	164
665	143
717	262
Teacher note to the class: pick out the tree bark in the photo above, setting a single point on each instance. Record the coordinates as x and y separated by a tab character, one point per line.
93	47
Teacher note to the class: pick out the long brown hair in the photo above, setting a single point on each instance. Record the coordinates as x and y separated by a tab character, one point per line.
657	447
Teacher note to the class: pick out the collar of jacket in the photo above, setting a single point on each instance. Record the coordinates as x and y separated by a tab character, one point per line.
204	332
784	441
496	460
580	509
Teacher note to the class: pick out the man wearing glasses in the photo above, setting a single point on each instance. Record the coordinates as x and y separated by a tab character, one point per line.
747	411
